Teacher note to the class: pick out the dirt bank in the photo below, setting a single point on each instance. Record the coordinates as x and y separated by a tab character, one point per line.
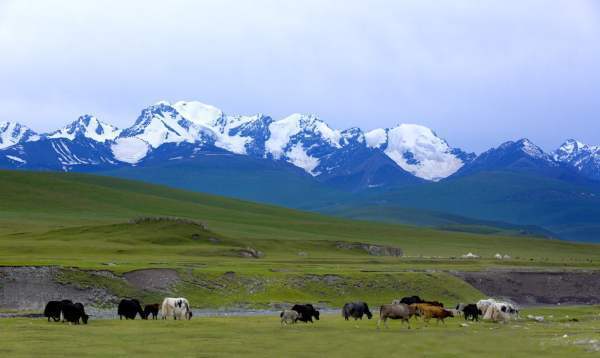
161	280
29	288
533	288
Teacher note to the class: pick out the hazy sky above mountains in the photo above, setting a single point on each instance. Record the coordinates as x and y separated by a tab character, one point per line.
477	72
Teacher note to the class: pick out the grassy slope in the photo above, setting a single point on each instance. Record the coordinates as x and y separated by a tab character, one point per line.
282	184
262	336
391	213
238	177
31	204
570	210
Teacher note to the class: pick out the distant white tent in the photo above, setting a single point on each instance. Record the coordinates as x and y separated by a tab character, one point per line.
470	255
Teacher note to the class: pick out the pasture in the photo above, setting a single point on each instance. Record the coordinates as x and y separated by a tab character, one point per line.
84	221
262	336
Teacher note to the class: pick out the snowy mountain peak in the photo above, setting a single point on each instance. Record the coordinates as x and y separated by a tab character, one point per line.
12	133
162	123
527	147
583	157
301	139
87	126
416	149
531	149
199	113
570	149
299	128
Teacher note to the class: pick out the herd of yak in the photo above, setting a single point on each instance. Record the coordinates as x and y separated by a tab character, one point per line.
67	311
413	306
401	309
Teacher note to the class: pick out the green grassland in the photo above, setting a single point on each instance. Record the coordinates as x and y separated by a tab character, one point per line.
569	210
85	222
262	336
60	217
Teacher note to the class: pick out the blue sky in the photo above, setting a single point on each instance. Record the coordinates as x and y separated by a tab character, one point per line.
477	72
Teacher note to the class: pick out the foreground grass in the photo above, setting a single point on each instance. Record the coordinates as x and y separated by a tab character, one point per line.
262	336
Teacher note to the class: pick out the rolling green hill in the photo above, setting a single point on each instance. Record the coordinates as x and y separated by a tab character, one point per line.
569	210
281	184
237	176
41	203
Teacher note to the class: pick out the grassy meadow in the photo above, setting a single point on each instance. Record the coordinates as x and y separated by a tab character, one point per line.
262	336
83	222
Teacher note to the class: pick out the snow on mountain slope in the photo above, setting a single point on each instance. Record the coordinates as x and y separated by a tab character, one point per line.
584	158
531	149
376	138
416	149
162	123
130	150
517	156
199	113
236	133
301	140
89	127
577	153
191	122
12	133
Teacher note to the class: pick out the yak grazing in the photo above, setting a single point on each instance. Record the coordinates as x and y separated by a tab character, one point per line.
129	308
306	312
356	310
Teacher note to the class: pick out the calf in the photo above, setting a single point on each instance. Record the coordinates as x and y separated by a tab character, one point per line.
399	311
471	312
306	312
151	309
356	310
428	312
289	316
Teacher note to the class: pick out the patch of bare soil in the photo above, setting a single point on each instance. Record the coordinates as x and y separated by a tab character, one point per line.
533	288
30	288
153	279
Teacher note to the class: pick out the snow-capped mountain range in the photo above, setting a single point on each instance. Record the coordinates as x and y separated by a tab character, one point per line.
184	130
